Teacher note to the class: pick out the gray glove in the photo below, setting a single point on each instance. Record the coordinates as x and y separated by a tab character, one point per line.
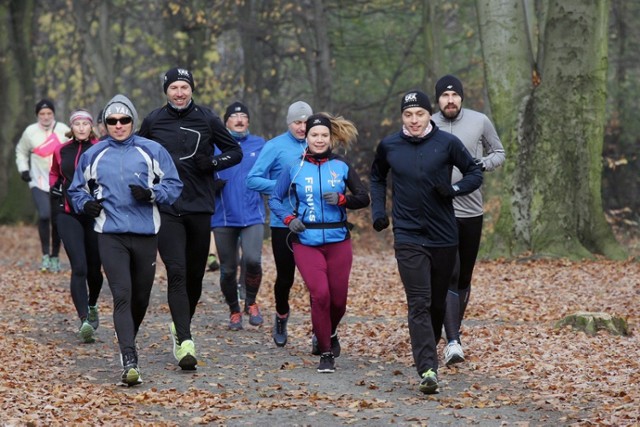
296	226
331	198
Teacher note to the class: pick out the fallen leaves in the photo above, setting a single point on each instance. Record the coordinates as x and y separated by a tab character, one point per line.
516	361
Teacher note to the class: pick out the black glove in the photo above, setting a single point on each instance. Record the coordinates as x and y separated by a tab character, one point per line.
204	163
480	163
26	177
218	185
381	223
445	190
93	208
55	191
331	198
141	194
296	226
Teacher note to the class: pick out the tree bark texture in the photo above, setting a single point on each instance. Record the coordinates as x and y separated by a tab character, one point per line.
15	60
550	112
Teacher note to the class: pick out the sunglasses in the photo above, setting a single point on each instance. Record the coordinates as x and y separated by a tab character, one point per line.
123	121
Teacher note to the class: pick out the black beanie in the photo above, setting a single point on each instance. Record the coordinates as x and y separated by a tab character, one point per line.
449	82
317	120
236	107
416	98
176	74
45	103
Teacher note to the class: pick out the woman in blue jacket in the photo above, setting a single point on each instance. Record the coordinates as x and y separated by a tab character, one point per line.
119	182
317	186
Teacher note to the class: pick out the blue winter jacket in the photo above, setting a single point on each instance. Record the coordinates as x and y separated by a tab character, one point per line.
236	205
106	170
280	152
298	193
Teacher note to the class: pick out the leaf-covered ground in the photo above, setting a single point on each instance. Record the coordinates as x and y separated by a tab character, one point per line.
520	370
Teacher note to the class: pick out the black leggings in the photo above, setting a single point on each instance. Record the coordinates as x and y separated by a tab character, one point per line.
129	262
46	226
81	245
285	267
469	235
184	248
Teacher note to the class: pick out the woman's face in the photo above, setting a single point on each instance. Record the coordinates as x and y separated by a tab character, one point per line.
319	139
117	129
81	129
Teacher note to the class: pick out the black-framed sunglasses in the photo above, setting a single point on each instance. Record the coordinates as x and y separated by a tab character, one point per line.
123	121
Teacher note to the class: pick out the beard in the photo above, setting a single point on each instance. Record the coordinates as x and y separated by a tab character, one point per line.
451	112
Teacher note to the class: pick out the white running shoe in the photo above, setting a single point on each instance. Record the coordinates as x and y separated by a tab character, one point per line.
453	353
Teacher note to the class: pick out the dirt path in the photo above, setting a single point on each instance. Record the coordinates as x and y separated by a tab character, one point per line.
243	378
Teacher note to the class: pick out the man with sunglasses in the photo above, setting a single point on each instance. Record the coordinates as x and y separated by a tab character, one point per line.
121	181
190	133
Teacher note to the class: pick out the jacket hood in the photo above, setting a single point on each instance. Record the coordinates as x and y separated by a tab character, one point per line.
120	104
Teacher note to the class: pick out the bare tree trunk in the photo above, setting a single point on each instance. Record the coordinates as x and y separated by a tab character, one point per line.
551	115
16	27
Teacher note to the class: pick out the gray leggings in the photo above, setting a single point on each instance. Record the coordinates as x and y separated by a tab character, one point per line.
45	223
249	240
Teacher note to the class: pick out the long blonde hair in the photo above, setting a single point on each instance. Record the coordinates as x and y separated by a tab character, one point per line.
343	132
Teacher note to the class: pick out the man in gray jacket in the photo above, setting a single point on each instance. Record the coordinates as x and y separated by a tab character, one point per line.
480	138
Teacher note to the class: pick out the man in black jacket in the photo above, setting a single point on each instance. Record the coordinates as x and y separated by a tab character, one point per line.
420	158
189	132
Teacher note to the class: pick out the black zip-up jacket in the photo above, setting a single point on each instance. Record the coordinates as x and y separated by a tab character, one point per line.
187	134
63	166
420	214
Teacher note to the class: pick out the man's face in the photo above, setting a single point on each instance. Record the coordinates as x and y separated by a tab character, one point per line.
416	120
45	117
238	122
450	104
298	128
179	93
118	130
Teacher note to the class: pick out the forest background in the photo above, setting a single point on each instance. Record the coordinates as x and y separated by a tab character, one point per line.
559	79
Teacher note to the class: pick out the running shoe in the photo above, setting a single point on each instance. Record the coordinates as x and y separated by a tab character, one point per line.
255	318
453	353
174	339
429	382
44	265
86	332
212	263
54	264
335	345
280	330
235	321
92	317
187	355
130	373
327	363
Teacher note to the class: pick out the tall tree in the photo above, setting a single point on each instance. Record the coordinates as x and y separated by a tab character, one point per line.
16	74
546	76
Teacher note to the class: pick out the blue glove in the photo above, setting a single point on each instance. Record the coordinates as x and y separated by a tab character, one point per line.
296	226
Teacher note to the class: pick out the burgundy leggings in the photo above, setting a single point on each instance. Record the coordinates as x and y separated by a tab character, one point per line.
325	270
